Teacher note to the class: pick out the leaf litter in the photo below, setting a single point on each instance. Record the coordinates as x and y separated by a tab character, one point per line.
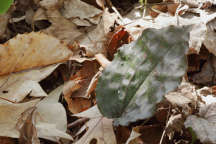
38	36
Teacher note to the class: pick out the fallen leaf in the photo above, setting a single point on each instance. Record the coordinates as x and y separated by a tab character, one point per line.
15	87
61	28
79	84
204	124
10	114
3	23
77	104
7	140
120	37
99	128
26	127
96	40
185	96
31	50
51	120
81	10
206	76
141	73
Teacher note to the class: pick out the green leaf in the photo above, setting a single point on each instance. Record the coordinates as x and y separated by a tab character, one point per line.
4	5
141	73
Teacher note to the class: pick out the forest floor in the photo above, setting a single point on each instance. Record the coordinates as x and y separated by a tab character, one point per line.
108	72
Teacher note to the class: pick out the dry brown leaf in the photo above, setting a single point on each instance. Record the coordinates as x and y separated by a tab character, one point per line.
26	127
51	119
185	96
78	89
100	129
61	28
81	10
15	87
79	84
95	41
7	140
77	105
9	115
3	23
31	50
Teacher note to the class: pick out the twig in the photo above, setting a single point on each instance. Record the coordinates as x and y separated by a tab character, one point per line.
79	121
102	60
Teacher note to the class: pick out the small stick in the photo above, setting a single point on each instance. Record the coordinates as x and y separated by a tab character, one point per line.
79	121
104	62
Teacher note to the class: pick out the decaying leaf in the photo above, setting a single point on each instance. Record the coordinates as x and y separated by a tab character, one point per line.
81	10
99	128
51	120
50	117
141	73
31	50
15	87
204	125
26	127
7	140
80	82
10	114
61	28
3	23
96	40
185	96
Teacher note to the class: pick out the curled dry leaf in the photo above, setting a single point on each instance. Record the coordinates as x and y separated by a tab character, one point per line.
79	83
99	128
78	89
31	50
15	87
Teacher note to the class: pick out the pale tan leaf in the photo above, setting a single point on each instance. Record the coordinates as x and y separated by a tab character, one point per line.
100	129
94	42
51	122
82	10
61	27
31	50
15	87
9	115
